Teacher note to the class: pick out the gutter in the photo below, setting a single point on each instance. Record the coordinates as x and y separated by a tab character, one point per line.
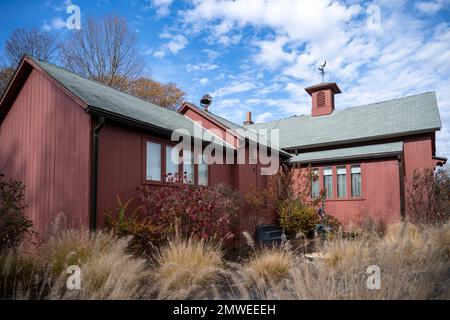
94	174
357	157
351	142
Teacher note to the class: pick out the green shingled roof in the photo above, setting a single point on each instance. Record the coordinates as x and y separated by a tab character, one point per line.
105	98
393	118
370	151
409	115
252	134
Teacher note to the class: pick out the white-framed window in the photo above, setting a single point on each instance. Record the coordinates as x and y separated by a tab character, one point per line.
341	181
203	174
153	161
356	181
315	183
328	181
172	167
188	165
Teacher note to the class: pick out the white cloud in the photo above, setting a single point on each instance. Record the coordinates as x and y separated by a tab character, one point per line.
159	54
201	67
203	81
162	7
272	52
55	23
212	54
176	43
235	87
299	19
431	7
264	117
288	39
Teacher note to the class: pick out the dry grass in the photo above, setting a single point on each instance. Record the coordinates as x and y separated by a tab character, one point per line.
182	266
272	264
107	270
414	262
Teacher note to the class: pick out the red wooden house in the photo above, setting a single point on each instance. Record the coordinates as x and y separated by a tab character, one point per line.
77	144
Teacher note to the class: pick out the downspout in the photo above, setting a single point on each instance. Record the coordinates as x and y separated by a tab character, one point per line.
94	173
401	170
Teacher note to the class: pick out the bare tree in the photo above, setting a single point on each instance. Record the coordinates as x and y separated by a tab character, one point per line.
40	44
429	196
6	74
164	95
104	50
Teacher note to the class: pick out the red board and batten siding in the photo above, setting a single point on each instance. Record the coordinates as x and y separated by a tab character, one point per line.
122	167
45	143
380	191
120	158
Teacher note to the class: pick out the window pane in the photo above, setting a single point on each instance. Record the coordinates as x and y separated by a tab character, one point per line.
328	181
341	182
315	183
171	163
356	181
203	174
188	165
153	161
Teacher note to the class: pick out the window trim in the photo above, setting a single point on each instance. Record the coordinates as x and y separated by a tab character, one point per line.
346	181
333	196
208	168
145	162
334	167
361	181
180	166
318	170
164	144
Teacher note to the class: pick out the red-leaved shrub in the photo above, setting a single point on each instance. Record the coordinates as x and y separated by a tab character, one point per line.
192	211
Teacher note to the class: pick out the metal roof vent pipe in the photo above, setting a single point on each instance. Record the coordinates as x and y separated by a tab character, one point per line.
206	101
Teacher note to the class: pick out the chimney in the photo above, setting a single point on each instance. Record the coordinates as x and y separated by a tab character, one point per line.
248	118
323	98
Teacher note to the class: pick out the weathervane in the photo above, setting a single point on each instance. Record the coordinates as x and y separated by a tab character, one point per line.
322	69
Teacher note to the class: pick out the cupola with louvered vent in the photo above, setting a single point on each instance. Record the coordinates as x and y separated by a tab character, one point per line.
322	95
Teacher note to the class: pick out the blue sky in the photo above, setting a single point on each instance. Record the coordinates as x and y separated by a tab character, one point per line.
260	55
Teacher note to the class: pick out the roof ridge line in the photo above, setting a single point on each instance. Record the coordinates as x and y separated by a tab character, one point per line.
97	82
352	107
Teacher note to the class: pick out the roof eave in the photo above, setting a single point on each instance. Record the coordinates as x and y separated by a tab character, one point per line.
357	157
366	139
137	123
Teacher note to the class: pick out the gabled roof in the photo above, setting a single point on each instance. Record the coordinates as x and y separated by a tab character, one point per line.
352	153
393	118
222	121
101	97
251	134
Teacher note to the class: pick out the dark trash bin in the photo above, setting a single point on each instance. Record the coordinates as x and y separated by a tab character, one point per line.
268	234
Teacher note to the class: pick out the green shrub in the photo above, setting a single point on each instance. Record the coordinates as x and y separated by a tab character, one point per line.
14	225
135	224
295	217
